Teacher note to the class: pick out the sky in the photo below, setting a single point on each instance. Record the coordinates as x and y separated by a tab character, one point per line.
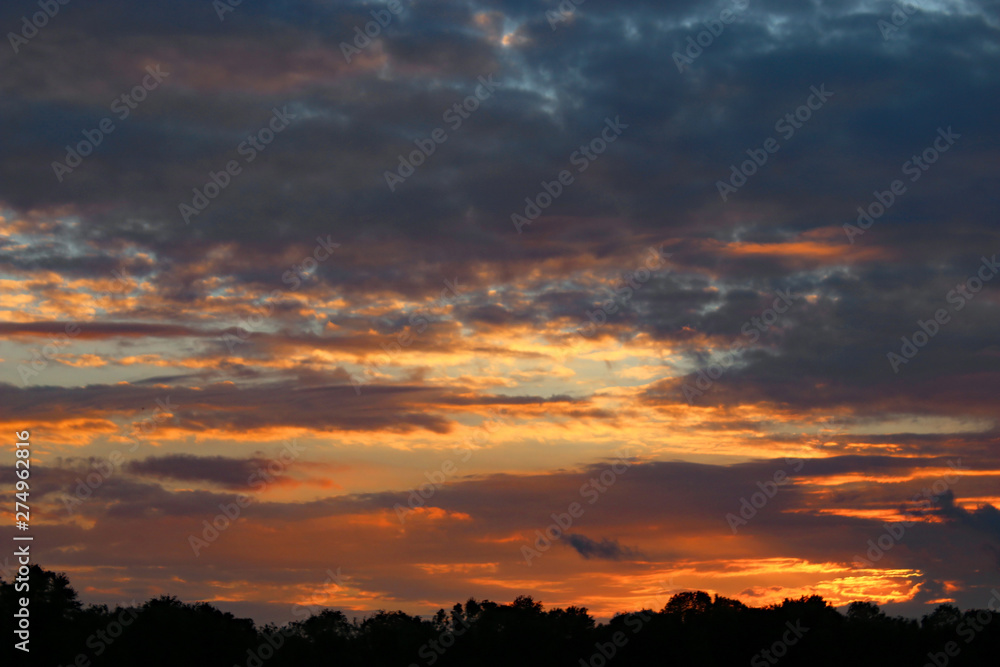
389	305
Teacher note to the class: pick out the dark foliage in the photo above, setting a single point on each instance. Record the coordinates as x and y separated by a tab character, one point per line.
691	629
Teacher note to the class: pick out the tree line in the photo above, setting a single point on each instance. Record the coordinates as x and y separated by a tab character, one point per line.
693	628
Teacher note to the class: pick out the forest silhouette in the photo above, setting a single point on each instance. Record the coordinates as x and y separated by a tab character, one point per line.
693	628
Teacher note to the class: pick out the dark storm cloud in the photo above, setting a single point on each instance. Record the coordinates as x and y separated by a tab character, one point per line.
606	549
844	336
985	517
224	471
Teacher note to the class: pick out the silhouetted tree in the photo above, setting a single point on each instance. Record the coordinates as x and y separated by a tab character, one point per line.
864	612
688	603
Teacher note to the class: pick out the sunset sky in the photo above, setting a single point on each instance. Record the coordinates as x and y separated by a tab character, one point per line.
634	261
